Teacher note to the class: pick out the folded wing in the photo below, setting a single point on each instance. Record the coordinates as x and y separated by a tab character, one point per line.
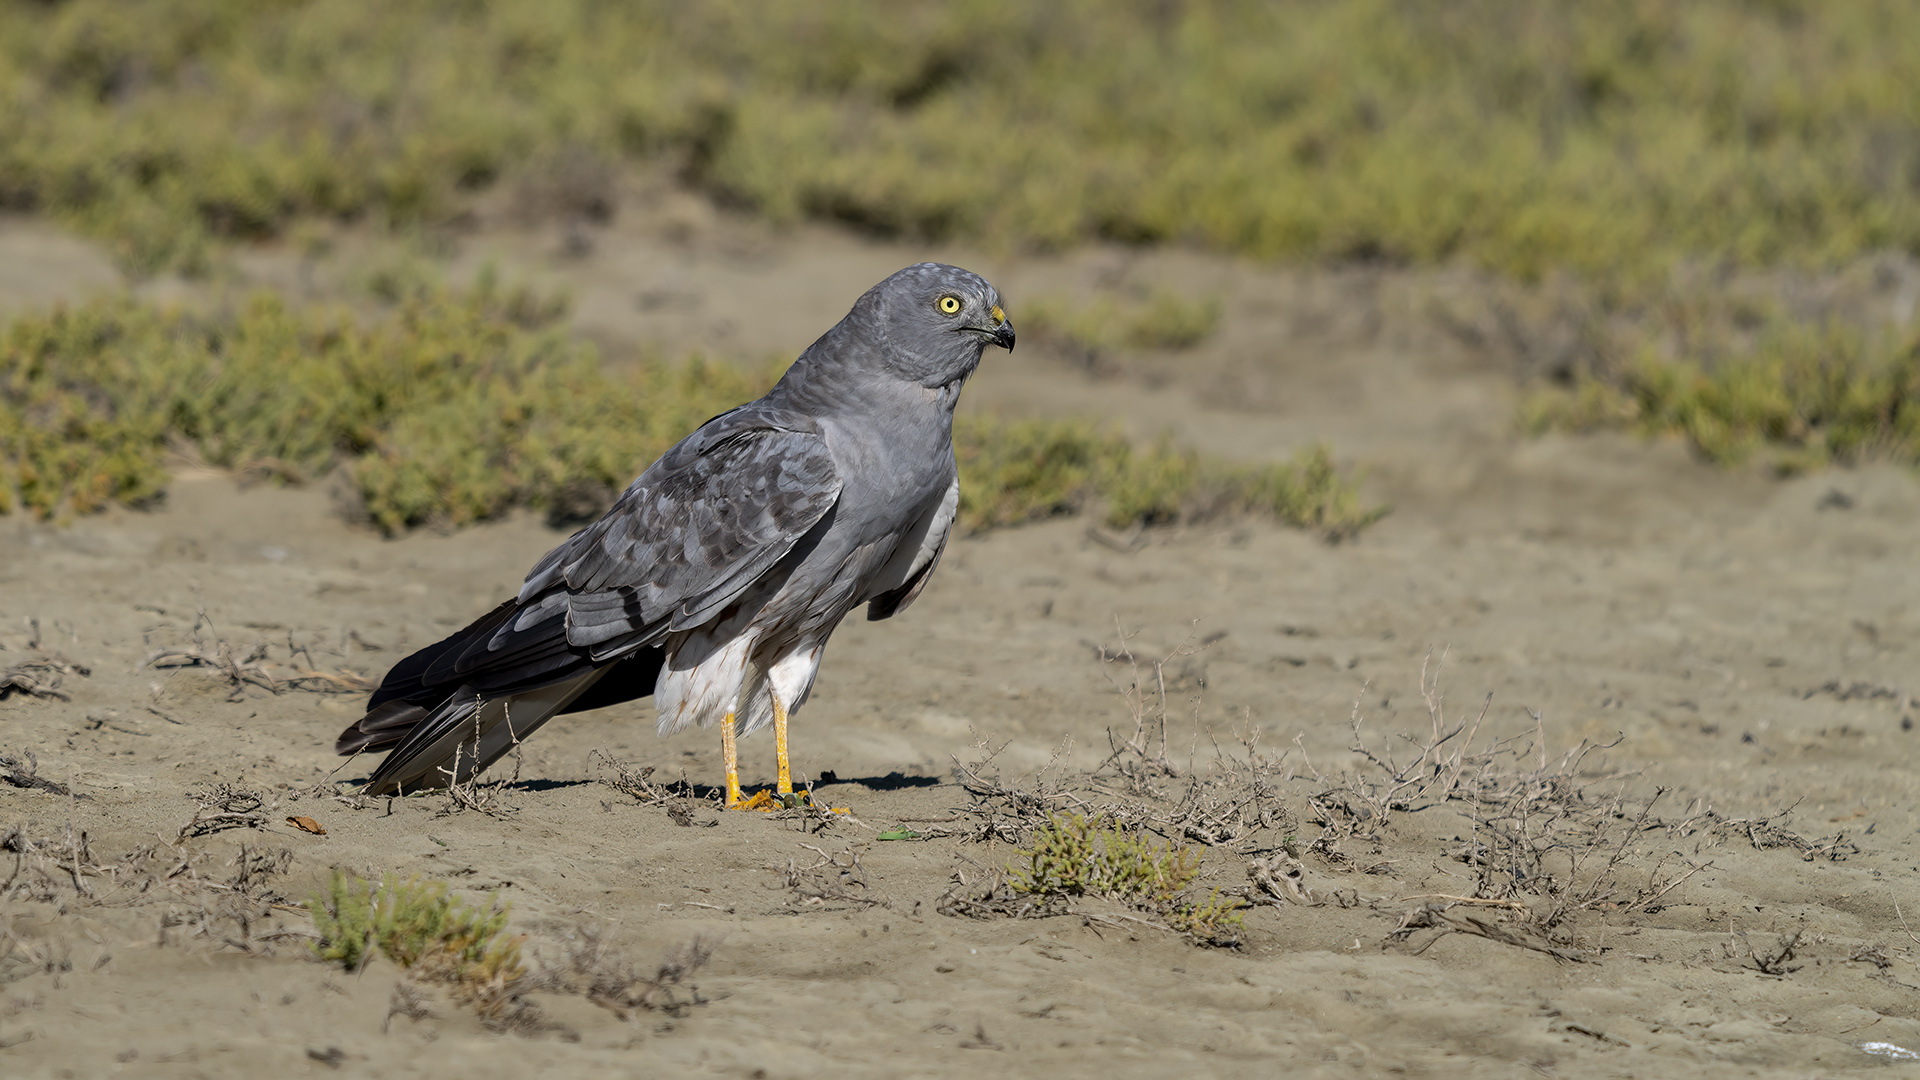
698	529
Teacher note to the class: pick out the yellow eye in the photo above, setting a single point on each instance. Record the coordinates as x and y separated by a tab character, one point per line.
949	305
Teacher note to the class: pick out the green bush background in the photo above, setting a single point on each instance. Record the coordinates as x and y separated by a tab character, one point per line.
461	406
1607	136
1620	140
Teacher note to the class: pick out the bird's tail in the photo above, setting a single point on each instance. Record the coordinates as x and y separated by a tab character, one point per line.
454	741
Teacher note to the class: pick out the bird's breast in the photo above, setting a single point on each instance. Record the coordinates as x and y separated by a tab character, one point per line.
895	467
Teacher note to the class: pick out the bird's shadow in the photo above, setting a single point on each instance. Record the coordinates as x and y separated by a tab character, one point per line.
893	781
545	785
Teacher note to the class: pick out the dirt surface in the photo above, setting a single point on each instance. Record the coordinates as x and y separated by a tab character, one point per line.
1750	643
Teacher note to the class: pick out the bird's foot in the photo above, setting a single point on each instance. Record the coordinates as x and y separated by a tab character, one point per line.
769	801
764	801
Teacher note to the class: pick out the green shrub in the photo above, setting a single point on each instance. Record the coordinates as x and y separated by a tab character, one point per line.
1604	135
418	925
1801	396
1015	471
1073	856
460	407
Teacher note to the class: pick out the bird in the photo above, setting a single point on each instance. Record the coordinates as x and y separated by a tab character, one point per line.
716	578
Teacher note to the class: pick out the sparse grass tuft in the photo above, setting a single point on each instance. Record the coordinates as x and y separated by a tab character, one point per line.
455	409
1074	856
422	927
461	406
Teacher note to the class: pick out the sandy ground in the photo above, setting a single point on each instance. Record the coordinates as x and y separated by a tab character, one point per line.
1751	643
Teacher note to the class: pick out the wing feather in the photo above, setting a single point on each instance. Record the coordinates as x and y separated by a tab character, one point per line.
913	563
696	530
699	528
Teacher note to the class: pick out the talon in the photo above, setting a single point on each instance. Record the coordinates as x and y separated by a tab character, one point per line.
762	801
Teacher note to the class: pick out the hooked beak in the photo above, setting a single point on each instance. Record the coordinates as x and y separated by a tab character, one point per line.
1002	335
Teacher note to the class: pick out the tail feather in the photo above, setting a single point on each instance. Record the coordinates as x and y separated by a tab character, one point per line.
409	678
431	743
467	733
383	726
450	710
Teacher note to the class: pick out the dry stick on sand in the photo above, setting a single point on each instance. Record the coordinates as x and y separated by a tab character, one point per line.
829	879
1361	806
40	677
1137	758
241	670
1775	963
1433	773
227	913
1000	811
40	674
1535	831
22	772
635	784
589	965
473	793
224	807
1437	917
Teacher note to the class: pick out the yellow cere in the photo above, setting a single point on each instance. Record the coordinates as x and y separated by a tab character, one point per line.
999	315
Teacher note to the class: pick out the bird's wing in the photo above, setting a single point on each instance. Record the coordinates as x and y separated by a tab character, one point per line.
916	557
698	528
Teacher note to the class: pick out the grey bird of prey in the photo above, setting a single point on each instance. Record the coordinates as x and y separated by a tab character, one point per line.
715	580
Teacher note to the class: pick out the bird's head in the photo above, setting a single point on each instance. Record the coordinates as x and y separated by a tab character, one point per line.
935	320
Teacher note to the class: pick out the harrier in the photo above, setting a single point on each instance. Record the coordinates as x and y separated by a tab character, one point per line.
716	579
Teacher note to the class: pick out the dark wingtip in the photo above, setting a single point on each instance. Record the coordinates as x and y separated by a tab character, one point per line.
383	726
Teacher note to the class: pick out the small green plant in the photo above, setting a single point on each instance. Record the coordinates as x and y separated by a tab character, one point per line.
422	927
1074	856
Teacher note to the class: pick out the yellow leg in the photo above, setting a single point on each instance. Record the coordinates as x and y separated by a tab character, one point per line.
731	754
730	750
783	785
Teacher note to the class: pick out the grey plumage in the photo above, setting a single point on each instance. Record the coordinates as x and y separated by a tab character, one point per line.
716	579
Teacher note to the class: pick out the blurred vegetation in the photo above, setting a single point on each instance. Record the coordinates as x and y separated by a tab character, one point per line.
422	927
1798	395
1606	136
461	406
1088	332
1023	470
457	408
